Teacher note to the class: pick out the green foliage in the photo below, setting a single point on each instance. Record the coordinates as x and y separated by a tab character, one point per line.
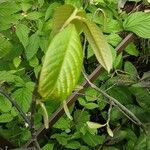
42	43
138	23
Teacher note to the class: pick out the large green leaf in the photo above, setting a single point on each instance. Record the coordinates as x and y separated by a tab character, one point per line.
139	23
62	65
61	15
99	44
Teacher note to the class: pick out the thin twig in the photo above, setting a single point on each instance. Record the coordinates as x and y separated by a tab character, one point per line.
14	103
122	108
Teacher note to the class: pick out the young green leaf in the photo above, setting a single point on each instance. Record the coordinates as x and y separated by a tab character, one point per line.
61	15
16	61
109	131
62	65
63	123
132	50
95	125
99	44
139	23
66	109
79	24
